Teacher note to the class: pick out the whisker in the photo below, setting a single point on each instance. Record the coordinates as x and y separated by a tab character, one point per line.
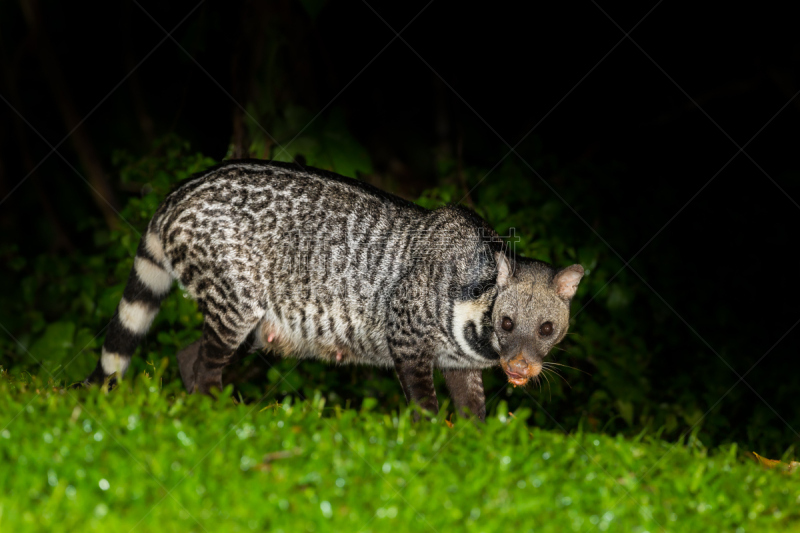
549	388
565	380
555	371
549	363
559	375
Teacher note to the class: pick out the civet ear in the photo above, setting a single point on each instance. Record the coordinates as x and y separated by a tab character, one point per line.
504	270
566	281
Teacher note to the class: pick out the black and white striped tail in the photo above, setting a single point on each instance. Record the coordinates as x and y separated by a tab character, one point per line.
148	284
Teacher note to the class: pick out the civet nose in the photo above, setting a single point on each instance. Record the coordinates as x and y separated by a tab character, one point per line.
518	365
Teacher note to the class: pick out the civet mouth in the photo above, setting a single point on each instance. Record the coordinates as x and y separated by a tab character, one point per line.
517	379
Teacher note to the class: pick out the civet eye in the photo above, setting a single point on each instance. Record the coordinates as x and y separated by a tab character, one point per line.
546	329
508	324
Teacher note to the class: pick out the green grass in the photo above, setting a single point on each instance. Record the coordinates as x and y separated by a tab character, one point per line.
149	458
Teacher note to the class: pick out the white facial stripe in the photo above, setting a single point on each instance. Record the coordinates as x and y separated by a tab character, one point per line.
136	316
153	246
463	313
113	362
156	278
495	342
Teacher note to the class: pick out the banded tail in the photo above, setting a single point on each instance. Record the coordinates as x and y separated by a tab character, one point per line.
148	284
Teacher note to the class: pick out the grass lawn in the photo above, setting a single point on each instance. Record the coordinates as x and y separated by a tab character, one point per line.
149	458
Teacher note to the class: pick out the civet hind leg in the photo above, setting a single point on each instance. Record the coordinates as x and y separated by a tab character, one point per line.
218	345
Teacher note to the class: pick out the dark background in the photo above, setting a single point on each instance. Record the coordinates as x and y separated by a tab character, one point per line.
622	141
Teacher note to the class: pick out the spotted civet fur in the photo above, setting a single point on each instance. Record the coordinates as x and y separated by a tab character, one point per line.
308	263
